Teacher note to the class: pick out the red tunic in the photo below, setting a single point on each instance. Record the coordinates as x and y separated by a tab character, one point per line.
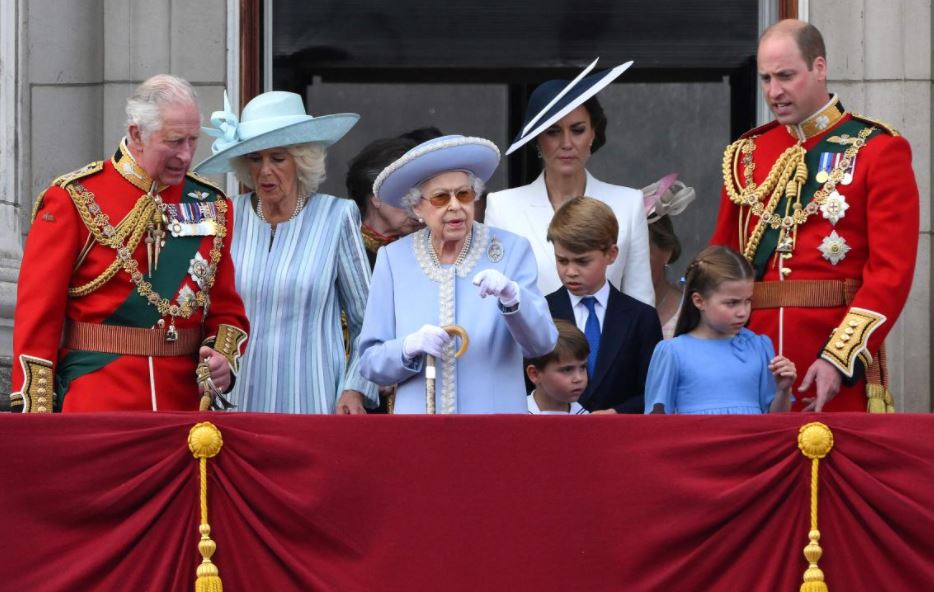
880	227
59	254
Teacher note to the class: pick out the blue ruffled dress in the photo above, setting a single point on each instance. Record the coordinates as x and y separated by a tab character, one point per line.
689	375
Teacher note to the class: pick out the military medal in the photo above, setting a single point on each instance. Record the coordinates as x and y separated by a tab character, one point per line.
848	174
189	219
834	248
495	251
198	270
825	166
834	207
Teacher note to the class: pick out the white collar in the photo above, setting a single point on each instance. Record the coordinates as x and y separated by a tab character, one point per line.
602	295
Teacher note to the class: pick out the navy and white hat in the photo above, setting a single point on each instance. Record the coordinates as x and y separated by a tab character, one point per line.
554	99
431	158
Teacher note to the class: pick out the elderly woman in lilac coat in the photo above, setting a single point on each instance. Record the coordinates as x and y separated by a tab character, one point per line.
454	271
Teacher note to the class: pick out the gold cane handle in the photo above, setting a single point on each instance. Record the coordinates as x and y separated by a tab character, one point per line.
430	370
458	331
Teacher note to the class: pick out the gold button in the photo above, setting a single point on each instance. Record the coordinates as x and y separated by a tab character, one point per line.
41	390
42	408
849	331
844	338
43	372
42	382
839	345
854	323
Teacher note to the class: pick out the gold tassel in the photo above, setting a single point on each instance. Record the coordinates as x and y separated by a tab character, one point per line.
815	440
204	441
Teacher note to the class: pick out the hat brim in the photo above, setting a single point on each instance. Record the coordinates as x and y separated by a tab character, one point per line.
324	130
649	199
559	112
474	155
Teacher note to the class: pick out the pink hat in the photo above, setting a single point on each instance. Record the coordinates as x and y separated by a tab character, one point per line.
666	197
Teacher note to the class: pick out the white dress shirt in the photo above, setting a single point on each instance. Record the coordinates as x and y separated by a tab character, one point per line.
580	309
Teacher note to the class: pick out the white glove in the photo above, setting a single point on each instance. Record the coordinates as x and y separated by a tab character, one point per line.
494	283
430	339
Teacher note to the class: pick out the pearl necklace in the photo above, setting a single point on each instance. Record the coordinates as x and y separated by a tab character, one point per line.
299	204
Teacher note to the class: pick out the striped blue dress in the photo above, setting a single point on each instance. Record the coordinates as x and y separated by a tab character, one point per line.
294	293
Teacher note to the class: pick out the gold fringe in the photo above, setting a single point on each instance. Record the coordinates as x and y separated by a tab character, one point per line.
815	440
204	441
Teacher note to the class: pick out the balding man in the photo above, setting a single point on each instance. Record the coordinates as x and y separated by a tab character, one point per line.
126	282
824	203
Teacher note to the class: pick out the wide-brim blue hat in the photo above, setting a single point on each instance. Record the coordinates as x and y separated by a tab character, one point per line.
431	158
554	99
271	120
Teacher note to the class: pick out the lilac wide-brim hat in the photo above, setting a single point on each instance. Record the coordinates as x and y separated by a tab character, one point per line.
552	100
271	120
431	158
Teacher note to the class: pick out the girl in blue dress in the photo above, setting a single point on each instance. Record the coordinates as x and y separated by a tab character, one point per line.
714	365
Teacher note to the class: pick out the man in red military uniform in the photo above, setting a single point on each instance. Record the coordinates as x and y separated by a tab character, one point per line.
126	285
825	205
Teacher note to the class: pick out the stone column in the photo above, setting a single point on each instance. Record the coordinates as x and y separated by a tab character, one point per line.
879	55
11	251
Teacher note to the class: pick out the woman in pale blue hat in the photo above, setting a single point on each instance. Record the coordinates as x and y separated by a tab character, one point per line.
568	125
455	271
299	258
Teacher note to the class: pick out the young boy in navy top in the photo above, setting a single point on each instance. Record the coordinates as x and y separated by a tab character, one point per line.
621	331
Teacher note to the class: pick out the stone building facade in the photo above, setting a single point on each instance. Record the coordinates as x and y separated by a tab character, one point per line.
67	67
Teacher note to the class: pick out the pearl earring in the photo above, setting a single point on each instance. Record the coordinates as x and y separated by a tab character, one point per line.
538	151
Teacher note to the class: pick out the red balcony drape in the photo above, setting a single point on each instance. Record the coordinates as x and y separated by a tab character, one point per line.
110	502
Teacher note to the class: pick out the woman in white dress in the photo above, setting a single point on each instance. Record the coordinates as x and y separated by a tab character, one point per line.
568	125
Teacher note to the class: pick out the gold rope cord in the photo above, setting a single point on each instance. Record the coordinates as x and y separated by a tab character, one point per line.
136	222
815	440
784	178
204	441
129	231
788	175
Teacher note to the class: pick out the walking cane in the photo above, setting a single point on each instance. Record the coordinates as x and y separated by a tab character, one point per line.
430	372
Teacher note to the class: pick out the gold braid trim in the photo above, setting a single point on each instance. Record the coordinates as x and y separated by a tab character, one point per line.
36	206
37	394
126	237
849	341
129	232
228	342
789	173
779	181
876	123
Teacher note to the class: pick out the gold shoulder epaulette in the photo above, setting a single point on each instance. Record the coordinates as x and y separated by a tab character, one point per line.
85	171
875	122
36	205
205	181
760	130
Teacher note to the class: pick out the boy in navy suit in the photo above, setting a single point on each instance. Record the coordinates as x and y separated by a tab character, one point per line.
621	331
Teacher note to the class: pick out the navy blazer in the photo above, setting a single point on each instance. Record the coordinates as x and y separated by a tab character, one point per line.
630	332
